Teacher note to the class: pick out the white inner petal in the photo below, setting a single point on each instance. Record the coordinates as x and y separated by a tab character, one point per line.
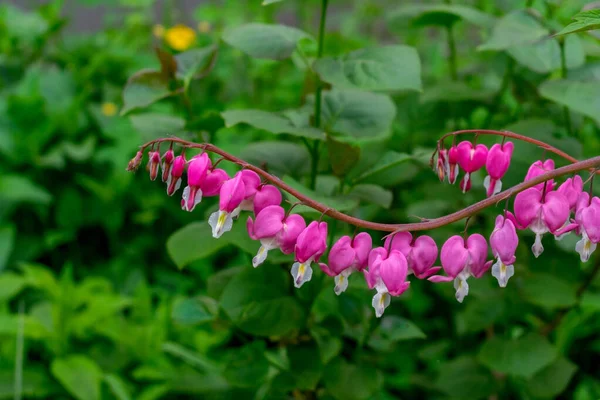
220	222
341	281
380	302
462	288
502	272
301	272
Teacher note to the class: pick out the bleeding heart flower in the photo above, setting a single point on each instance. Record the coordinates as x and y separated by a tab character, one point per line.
470	158
266	195
497	163
274	230
588	219
538	168
346	256
571	189
382	298
452	165
231	196
504	242
541	213
212	183
461	260
197	170
153	164
420	253
135	162
167	164
310	246
251	184
442	164
174	178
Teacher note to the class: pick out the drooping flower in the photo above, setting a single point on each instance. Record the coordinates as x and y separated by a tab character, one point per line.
310	246
167	164
251	184
538	168
442	164
470	158
266	195
153	164
211	185
135	162
588	219
386	274
420	252
571	189
197	170
231	196
274	230
346	256
497	163
452	165
461	260
174	178
504	242
541	213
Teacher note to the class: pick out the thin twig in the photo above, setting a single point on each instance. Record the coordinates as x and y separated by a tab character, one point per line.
417	226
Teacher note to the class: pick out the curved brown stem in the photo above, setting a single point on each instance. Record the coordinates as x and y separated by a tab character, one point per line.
395	228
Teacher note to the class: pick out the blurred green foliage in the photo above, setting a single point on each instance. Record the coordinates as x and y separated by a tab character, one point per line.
95	302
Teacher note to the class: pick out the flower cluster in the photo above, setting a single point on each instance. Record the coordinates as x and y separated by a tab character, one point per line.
541	208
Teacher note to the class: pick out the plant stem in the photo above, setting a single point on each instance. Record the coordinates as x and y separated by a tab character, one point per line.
318	95
452	57
564	73
395	228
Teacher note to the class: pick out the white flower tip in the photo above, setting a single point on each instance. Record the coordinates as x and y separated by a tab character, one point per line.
380	302
585	248
220	222
260	257
502	272
301	273
537	247
341	283
462	289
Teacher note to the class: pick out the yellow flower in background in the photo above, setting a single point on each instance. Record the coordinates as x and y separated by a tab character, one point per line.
204	27
158	31
109	109
180	37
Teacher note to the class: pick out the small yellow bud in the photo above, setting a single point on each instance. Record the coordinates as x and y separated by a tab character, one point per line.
204	27
109	109
180	37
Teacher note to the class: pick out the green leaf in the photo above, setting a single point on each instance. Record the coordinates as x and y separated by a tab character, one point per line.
192	358
19	189
590	301
79	375
548	291
514	29
153	126
117	387
377	68
275	42
584	21
192	311
280	158
339	203
342	156
522	357
194	63
439	14
357	115
552	380
329	345
143	88
183	246
22	25
10	285
267	2
464	378
352	382
544	56
450	91
373	194
248	366
168	64
305	369
391	330
581	97
271	122
7	240
389	160
257	301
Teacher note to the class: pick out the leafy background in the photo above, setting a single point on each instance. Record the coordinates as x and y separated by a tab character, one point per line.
109	290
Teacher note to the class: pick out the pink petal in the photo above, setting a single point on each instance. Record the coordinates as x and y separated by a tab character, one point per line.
362	245
267	195
555	211
527	206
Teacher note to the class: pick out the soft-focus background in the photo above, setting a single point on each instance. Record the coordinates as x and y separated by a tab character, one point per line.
109	290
